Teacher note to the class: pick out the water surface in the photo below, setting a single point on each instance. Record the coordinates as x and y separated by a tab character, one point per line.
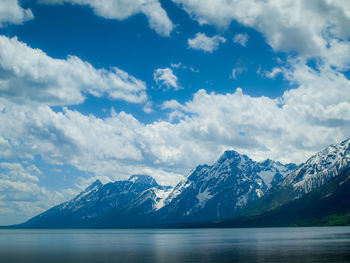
327	244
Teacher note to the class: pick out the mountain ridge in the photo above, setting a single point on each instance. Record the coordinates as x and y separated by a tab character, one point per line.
234	186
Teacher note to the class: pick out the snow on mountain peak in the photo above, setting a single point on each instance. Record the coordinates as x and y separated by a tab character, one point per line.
143	179
95	184
233	157
320	168
273	172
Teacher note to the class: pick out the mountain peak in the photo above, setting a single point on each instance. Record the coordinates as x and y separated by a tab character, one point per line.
267	162
97	184
143	179
320	168
229	155
346	143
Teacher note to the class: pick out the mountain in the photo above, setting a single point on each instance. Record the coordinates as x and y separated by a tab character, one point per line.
209	192
327	205
113	204
220	190
315	172
250	193
321	167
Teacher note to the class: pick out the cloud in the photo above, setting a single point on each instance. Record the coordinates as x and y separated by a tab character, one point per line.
12	13
324	33
273	73
237	71
147	108
20	201
205	43
179	65
289	128
16	171
315	113
171	104
21	196
121	9
165	77
241	39
240	67
29	75
194	70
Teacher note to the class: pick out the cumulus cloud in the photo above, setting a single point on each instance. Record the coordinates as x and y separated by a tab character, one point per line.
171	104
20	201
28	74
121	9
16	171
205	43
241	39
166	77
290	128
324	33
21	196
12	13
304	120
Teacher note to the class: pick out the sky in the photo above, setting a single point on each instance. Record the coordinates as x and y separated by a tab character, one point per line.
95	89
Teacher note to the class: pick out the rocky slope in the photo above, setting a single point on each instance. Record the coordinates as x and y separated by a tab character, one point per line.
119	203
315	172
233	186
327	205
220	190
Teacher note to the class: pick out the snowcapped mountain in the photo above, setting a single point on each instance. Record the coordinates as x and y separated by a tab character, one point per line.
327	205
321	167
273	172
218	191
117	203
233	185
210	192
314	173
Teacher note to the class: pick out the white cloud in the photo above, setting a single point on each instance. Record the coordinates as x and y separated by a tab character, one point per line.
171	104
147	108
178	65
194	70
324	33
182	66
121	9
12	12
20	201
16	171
21	197
241	39
237	71
28	74
273	73
289	128
166	77
205	43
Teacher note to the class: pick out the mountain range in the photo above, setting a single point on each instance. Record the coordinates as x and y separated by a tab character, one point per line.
234	191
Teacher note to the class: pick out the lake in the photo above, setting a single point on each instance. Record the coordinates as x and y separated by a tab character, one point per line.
314	244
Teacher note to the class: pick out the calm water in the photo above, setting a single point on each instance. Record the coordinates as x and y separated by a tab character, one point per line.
177	245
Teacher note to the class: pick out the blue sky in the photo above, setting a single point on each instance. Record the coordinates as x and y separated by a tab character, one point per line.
134	47
93	91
